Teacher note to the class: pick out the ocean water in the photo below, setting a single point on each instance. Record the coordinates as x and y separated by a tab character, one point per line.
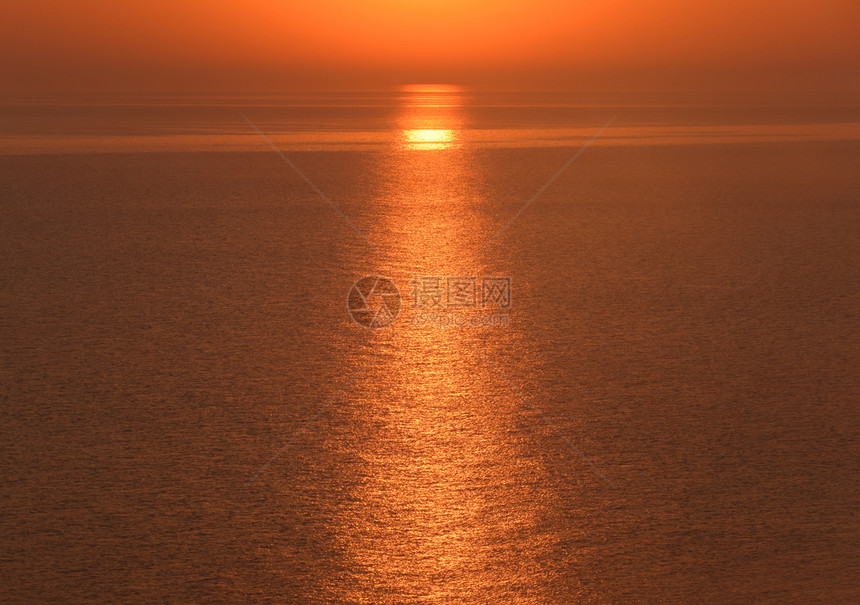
640	383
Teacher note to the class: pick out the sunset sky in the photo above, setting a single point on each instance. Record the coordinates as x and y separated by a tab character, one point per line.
548	44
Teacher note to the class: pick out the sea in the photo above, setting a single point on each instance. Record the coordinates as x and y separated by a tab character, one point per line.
429	346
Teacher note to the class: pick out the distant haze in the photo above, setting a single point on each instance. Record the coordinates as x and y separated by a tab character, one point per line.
280	45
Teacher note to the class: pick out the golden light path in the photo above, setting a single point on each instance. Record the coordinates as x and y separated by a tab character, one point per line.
445	494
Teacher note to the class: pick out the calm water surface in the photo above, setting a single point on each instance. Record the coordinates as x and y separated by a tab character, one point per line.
667	414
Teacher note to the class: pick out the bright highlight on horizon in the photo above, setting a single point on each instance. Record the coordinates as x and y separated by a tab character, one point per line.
429	138
431	88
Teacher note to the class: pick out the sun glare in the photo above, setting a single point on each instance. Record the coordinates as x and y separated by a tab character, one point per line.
429	139
428	88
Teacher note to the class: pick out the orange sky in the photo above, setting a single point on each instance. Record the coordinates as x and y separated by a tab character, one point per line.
550	44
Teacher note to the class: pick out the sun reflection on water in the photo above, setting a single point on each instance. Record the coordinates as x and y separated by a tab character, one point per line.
444	495
430	138
431	118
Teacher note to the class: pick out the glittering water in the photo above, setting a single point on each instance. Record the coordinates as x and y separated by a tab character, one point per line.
668	413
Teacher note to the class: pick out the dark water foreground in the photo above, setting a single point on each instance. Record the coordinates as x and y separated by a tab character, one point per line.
668	415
